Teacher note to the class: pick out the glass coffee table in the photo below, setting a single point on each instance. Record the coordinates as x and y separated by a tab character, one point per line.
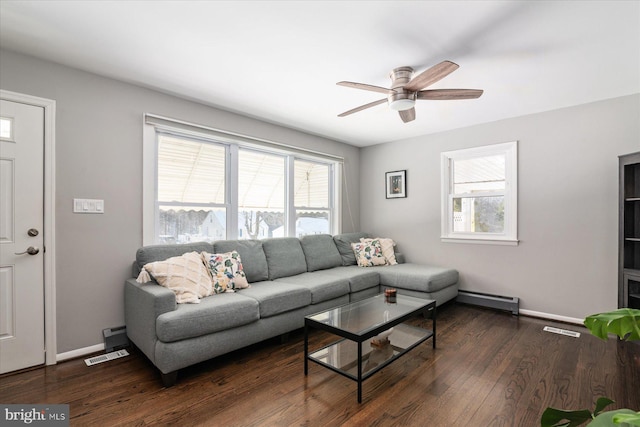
373	334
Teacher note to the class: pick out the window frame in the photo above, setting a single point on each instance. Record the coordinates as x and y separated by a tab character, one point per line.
448	159
153	126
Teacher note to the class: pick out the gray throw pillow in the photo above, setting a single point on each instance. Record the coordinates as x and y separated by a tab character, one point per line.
344	241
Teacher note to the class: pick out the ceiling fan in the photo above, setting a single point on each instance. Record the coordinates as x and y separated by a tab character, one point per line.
405	90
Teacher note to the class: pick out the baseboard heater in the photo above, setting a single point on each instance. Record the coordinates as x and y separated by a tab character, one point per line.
115	338
511	304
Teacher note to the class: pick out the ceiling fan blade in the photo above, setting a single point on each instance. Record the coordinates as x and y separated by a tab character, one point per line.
441	94
363	107
430	76
364	86
408	115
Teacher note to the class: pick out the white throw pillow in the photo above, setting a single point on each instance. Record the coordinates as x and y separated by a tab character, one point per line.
185	275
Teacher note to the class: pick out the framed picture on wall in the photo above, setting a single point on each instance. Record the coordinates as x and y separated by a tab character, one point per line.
396	184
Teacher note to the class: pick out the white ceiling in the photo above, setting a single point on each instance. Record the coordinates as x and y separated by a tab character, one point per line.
279	60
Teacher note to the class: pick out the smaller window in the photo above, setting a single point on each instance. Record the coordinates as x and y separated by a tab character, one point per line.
479	194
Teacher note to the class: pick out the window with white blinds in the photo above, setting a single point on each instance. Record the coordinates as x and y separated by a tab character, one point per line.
208	188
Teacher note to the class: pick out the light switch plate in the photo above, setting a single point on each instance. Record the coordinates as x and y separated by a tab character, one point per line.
90	206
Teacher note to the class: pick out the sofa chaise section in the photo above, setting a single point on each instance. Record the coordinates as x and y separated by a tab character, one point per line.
421	281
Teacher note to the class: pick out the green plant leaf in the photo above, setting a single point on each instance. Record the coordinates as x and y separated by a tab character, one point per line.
617	418
601	403
624	322
632	418
553	417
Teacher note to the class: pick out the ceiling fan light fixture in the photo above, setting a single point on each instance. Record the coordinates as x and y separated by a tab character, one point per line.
402	104
401	100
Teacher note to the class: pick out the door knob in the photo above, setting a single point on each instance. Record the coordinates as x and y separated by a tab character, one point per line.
30	250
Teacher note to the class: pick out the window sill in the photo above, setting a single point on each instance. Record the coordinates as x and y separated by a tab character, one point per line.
480	241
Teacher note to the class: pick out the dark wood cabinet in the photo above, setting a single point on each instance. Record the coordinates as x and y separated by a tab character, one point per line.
629	232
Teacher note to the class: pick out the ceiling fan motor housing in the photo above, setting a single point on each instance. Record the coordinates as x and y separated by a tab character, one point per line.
401	99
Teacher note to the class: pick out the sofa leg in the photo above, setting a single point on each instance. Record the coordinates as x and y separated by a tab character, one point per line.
284	338
168	380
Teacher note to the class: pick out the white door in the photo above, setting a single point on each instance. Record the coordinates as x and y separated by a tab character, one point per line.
21	236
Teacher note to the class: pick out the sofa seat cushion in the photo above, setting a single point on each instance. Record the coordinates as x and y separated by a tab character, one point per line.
359	278
215	313
323	285
277	297
416	277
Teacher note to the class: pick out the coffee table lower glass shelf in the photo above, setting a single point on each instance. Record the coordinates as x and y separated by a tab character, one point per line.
373	332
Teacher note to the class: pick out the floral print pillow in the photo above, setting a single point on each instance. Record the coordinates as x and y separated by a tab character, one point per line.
369	254
226	271
387	248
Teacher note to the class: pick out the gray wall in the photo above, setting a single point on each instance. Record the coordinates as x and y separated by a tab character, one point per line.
99	155
566	263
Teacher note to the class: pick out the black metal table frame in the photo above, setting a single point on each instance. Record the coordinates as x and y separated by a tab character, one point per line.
429	310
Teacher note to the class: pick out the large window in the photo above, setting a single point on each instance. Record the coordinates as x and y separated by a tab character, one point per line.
205	188
479	194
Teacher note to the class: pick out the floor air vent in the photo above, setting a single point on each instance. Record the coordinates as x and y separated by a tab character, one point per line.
561	331
106	357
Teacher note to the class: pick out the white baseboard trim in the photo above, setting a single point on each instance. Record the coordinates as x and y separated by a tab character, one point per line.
60	357
549	316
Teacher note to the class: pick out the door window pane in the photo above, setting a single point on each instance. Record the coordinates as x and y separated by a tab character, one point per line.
6	128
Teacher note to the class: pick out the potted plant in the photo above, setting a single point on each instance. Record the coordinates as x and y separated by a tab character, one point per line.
625	323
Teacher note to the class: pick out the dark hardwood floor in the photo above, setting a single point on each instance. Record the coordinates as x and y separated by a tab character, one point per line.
489	369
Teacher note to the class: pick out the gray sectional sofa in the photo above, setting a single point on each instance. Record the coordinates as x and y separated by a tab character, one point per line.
290	278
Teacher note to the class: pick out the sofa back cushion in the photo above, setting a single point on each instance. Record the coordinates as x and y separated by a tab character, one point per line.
254	261
320	252
153	253
343	243
284	257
